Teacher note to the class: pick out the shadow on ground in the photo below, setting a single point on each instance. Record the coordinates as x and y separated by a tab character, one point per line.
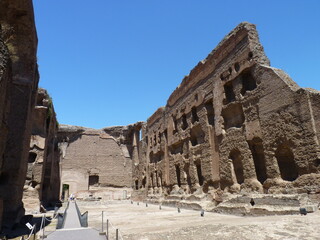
21	228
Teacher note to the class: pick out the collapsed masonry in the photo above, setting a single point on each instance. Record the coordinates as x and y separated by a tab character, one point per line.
234	125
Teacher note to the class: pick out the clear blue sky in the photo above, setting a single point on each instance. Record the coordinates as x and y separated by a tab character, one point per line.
114	62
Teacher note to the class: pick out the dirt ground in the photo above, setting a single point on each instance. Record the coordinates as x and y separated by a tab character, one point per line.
141	222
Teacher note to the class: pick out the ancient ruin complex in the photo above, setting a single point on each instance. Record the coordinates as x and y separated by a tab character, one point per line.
235	132
236	125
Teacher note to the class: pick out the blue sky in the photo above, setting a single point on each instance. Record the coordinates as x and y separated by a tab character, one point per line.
114	62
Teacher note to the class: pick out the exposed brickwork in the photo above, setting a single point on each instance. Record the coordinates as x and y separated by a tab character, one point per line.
235	125
43	177
97	158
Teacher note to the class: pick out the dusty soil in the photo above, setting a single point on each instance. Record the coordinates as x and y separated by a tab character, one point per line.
138	222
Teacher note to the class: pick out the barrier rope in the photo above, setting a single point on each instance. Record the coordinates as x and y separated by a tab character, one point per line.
120	234
115	229
111	225
49	220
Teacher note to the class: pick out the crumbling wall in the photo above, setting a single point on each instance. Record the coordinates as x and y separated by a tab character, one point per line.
43	177
315	106
234	124
102	158
19	35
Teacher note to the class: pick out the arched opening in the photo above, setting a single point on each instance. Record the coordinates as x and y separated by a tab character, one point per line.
196	135
155	139
256	147
178	175
157	180
236	158
233	116
144	181
175	125
287	166
194	115
65	192
229	93
187	171
160	179
199	173
248	82
136	183
151	176
210	112
184	123
32	157
165	133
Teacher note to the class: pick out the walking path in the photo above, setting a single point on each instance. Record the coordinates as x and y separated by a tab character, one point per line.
72	228
72	219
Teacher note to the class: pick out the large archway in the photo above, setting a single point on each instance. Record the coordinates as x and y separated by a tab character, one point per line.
286	163
257	150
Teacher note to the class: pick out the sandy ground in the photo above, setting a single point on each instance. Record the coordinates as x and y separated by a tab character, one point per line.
138	222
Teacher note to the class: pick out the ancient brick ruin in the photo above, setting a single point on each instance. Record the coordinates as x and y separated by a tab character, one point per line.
96	158
42	184
235	132
234	125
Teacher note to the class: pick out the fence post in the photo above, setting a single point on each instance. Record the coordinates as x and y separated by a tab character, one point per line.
107	229
102	223
117	234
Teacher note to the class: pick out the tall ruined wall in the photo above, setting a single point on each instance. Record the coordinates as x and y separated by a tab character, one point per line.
96	158
19	35
43	177
315	106
234	124
5	91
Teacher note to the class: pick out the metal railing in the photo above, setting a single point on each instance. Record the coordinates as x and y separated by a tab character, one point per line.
62	218
83	218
